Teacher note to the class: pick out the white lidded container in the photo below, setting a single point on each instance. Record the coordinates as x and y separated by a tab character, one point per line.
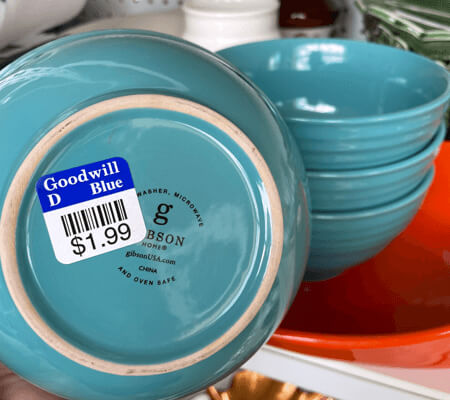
217	24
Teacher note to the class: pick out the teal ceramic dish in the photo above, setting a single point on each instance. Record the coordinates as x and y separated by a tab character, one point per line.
152	233
372	187
345	109
341	240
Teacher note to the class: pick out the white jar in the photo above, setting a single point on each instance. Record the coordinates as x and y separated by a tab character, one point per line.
217	24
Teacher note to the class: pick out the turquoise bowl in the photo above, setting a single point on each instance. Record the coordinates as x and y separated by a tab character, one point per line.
345	109
344	239
372	187
154	224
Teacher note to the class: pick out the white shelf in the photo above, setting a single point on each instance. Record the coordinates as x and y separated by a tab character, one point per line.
344	381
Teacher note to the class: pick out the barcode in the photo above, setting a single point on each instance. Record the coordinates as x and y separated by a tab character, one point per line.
94	217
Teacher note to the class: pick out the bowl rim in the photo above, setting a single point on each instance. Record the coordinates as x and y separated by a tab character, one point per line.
370	341
21	61
369	119
419	191
431	148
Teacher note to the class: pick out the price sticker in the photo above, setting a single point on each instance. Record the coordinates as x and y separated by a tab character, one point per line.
91	209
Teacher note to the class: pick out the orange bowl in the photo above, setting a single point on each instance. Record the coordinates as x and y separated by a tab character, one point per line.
393	310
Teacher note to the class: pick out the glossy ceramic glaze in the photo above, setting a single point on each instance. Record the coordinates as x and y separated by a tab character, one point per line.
372	187
345	110
341	240
120	325
393	310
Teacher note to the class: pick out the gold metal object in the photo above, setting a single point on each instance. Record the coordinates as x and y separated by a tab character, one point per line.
249	385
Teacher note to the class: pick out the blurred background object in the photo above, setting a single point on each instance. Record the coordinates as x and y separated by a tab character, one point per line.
217	24
350	21
247	385
310	18
23	22
120	8
419	26
170	22
23	28
213	24
320	18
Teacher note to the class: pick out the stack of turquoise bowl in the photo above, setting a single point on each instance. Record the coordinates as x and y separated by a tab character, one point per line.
368	120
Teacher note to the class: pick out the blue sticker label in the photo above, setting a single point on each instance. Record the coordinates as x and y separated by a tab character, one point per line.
86	182
84	207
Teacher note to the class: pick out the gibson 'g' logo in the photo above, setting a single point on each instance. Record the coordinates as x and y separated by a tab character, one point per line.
160	218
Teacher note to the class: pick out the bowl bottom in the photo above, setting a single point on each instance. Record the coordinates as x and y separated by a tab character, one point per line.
154	304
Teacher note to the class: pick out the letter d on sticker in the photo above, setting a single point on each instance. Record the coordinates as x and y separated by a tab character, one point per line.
54	199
